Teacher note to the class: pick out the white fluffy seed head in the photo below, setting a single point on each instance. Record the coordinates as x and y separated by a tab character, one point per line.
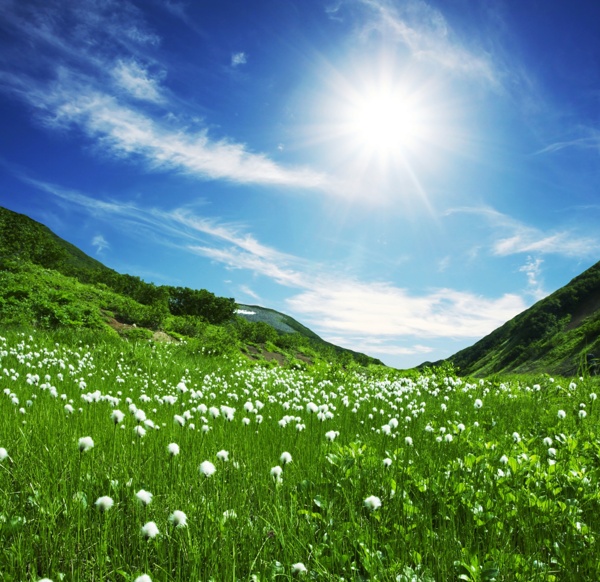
299	568
104	503
372	502
178	518
144	497
207	468
150	530
85	444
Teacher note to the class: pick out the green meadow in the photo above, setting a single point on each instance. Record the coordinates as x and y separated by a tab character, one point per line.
143	461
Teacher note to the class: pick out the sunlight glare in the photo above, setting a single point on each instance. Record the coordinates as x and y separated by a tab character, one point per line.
382	121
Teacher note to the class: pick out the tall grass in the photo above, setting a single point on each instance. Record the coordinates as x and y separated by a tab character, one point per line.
391	478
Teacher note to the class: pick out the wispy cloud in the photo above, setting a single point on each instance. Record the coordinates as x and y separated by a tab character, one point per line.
249	292
428	36
100	243
238	59
106	59
511	236
137	81
589	139
532	269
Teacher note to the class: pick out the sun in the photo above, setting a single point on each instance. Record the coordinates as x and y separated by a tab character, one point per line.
384	121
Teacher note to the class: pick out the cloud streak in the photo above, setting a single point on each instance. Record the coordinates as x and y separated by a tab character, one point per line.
514	237
102	87
426	34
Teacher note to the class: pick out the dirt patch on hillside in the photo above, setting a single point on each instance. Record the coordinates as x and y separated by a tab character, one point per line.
585	310
257	353
122	328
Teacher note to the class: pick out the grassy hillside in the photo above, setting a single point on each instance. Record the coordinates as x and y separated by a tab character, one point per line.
559	335
47	282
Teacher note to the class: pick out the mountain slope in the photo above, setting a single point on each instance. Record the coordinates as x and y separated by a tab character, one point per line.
559	334
281	322
88	291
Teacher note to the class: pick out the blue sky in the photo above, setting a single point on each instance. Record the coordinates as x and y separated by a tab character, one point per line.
401	176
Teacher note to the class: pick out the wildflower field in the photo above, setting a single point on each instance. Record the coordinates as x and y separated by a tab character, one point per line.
142	462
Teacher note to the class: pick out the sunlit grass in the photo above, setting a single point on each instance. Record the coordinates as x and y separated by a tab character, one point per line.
143	462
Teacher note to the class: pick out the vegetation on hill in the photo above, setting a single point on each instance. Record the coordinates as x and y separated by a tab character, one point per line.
47	282
559	334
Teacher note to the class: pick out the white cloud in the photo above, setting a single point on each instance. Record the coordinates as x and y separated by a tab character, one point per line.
382	309
588	140
532	269
427	35
110	43
100	243
127	132
249	292
135	80
512	236
238	59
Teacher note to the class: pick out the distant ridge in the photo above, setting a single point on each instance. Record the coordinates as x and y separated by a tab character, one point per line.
559	335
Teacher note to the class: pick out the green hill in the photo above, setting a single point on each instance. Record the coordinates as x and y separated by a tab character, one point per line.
46	281
558	335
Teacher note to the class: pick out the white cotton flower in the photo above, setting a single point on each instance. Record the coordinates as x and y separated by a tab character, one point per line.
173	449
207	468
178	518
44	580
69	409
561	414
312	408
117	416
551	452
408	440
139	431
372	502
139	415
85	444
104	503
145	497
331	435
448	438
180	420
299	568
3	453
548	441
387	462
223	456
150	530
504	459
143	578
478	403
276	472
582	413
593	396
285	458
516	437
